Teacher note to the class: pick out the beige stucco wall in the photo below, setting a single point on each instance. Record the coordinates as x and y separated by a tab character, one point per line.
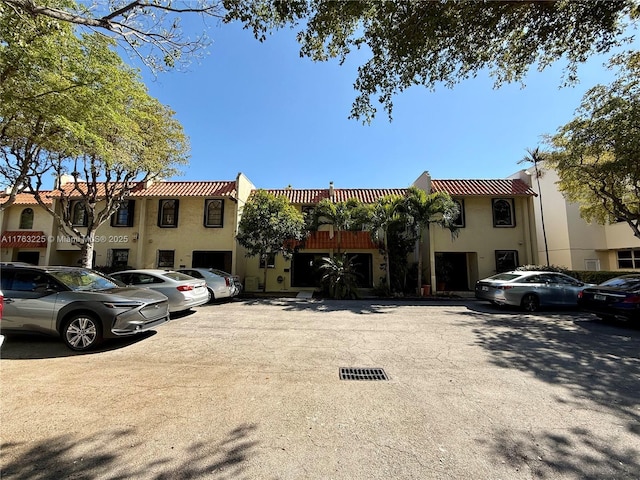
10	220
480	239
189	235
573	242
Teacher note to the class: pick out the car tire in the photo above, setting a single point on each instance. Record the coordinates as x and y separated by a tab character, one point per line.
530	302
212	297
82	332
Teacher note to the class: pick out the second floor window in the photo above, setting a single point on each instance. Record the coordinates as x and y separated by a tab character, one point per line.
503	213
213	213
78	214
26	219
168	213
124	215
459	221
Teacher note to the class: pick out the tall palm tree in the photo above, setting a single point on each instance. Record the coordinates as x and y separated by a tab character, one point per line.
381	215
536	157
422	209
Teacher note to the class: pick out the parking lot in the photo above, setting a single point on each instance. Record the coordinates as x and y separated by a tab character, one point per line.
250	389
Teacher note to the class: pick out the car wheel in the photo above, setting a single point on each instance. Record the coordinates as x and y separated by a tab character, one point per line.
212	297
82	332
530	302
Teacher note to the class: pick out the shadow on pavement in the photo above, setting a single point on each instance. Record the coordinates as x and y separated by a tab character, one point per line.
110	454
24	346
597	363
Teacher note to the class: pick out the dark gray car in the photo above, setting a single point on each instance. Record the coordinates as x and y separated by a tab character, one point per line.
81	306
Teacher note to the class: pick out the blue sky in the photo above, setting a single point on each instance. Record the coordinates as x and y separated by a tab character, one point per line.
260	109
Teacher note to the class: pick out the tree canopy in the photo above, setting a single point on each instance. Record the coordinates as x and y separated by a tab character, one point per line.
441	43
150	30
69	105
269	225
597	154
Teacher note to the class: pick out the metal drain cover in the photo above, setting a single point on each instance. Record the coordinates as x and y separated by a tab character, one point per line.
350	373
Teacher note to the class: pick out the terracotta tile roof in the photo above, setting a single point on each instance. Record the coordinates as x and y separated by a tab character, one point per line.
502	187
72	189
348	240
163	189
313	196
27	198
188	189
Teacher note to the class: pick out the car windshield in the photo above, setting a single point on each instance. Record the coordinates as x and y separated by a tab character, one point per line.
80	280
177	276
626	283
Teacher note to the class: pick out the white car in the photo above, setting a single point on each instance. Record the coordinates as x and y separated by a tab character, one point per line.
184	292
220	286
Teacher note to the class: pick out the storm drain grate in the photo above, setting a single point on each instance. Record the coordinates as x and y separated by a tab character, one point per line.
348	373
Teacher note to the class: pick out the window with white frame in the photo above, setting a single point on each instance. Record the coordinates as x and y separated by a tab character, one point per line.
213	213
268	260
629	258
503	215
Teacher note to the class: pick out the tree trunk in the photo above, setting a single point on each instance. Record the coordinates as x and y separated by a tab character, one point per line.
386	260
264	277
86	251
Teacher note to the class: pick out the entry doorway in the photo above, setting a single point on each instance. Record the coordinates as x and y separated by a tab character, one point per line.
451	271
212	259
29	257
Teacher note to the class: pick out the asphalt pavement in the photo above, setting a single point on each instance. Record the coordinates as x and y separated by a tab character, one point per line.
251	389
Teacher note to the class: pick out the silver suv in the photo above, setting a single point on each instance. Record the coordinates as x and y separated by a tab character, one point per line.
80	305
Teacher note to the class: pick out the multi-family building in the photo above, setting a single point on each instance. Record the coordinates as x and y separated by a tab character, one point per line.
572	242
178	224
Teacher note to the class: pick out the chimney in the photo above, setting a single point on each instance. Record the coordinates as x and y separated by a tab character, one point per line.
424	182
331	192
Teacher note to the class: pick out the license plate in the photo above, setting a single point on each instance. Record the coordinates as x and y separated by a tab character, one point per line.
485	289
599	297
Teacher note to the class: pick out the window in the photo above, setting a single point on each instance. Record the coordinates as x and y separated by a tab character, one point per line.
78	214
271	261
119	257
503	213
506	260
124	215
629	258
166	258
168	213
213	213
459	221
26	219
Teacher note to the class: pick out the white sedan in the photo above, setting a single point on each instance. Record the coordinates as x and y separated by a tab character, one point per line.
220	286
184	292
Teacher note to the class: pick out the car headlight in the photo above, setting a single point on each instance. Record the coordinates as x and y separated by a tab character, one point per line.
123	305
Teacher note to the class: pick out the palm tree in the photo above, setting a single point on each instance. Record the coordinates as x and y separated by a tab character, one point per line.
536	157
342	216
422	209
340	276
380	217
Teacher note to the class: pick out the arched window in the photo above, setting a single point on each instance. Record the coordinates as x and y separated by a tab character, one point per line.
26	219
78	214
168	213
503	213
213	213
